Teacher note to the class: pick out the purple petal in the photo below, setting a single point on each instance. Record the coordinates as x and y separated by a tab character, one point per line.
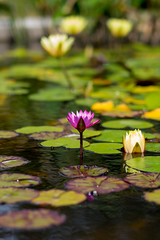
93	123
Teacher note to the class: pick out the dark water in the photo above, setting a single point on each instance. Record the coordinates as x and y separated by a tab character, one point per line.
117	216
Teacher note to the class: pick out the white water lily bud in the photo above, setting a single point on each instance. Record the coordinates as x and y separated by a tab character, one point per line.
134	141
119	27
57	45
73	24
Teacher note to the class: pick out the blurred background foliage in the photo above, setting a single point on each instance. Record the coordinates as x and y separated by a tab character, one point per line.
144	14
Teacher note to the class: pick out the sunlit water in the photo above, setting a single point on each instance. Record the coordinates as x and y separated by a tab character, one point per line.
116	216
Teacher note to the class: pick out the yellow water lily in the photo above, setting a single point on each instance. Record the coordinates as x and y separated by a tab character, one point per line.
73	24
119	27
134	141
57	45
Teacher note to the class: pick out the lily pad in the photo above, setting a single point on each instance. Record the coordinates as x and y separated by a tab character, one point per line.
13	195
53	94
88	133
17	180
11	161
31	219
64	142
104	148
152	147
127	123
42	135
83	171
144	180
8	134
38	129
145	164
101	185
153	196
122	114
111	136
59	198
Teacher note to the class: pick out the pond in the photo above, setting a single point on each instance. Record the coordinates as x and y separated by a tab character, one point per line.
34	93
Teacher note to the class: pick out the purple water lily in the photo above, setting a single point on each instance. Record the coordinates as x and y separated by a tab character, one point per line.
81	120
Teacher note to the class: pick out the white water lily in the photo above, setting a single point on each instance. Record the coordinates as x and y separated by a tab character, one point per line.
119	27
73	24
134	141
57	45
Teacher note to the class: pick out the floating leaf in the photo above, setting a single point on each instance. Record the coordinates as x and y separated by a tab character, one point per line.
13	195
146	164
59	198
153	196
155	114
38	129
104	148
101	185
83	171
123	114
12	87
8	134
144	180
64	142
31	219
111	136
53	94
152	147
127	123
85	101
42	135
152	100
88	133
17	180
11	161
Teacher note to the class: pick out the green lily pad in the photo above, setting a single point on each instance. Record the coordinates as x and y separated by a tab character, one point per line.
13	87
64	142
17	180
83	171
11	161
127	123
86	101
31	219
59	198
13	195
153	196
145	164
38	129
53	94
152	147
111	136
104	148
8	134
101	185
152	100
144	180
88	133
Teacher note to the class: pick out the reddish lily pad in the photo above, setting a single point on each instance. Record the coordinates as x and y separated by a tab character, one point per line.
144	180
101	185
31	219
11	161
83	171
153	196
59	198
42	135
37	129
13	195
17	180
8	134
122	114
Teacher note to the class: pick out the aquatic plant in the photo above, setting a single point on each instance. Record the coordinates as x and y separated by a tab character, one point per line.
57	45
134	141
119	27
81	120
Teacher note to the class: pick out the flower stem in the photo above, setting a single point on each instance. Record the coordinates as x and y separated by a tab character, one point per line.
81	148
70	85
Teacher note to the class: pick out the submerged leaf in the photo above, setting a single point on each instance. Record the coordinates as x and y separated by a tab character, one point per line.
59	198
83	171
101	185
31	219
